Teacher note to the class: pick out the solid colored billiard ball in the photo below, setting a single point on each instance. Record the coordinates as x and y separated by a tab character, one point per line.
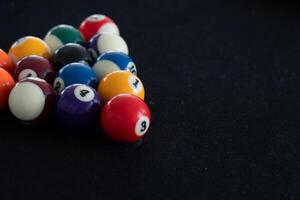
113	61
77	106
63	34
98	24
6	84
31	100
5	62
120	82
75	73
103	43
27	46
70	53
34	66
125	118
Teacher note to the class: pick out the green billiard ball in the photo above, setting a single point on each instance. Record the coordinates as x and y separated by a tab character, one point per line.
63	34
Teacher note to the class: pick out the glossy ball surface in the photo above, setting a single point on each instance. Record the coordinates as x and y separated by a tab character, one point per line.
34	66
97	24
113	61
75	73
6	84
63	34
77	106
5	62
103	43
70	53
125	118
27	46
120	82
31	100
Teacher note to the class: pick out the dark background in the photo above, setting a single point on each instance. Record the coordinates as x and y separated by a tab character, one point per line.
222	81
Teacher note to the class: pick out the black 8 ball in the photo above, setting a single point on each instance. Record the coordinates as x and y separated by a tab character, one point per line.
70	53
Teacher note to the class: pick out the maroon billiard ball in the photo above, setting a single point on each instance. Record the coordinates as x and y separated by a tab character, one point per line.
31	100
34	66
125	118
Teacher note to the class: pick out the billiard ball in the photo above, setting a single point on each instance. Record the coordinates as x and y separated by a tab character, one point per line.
113	61
34	66
63	34
75	73
103	43
120	82
6	84
5	62
27	46
77	106
31	100
71	53
97	24
125	118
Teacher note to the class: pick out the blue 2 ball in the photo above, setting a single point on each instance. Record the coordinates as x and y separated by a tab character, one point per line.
75	73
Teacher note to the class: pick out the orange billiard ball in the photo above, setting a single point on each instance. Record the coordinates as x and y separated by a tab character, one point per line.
120	82
6	84
5	62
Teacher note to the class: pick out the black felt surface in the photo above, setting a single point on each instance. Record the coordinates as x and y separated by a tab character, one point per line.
222	82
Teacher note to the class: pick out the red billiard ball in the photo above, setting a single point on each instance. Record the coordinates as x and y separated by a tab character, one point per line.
125	118
97	24
34	66
31	100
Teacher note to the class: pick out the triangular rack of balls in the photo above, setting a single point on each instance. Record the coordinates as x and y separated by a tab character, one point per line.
81	75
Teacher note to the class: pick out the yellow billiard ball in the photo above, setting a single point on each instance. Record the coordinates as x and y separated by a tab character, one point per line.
120	82
27	46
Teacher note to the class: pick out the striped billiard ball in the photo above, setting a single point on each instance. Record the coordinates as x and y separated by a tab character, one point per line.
34	66
27	46
62	34
31	100
103	43
98	24
113	61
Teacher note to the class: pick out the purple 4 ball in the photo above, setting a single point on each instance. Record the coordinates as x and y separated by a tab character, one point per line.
77	106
